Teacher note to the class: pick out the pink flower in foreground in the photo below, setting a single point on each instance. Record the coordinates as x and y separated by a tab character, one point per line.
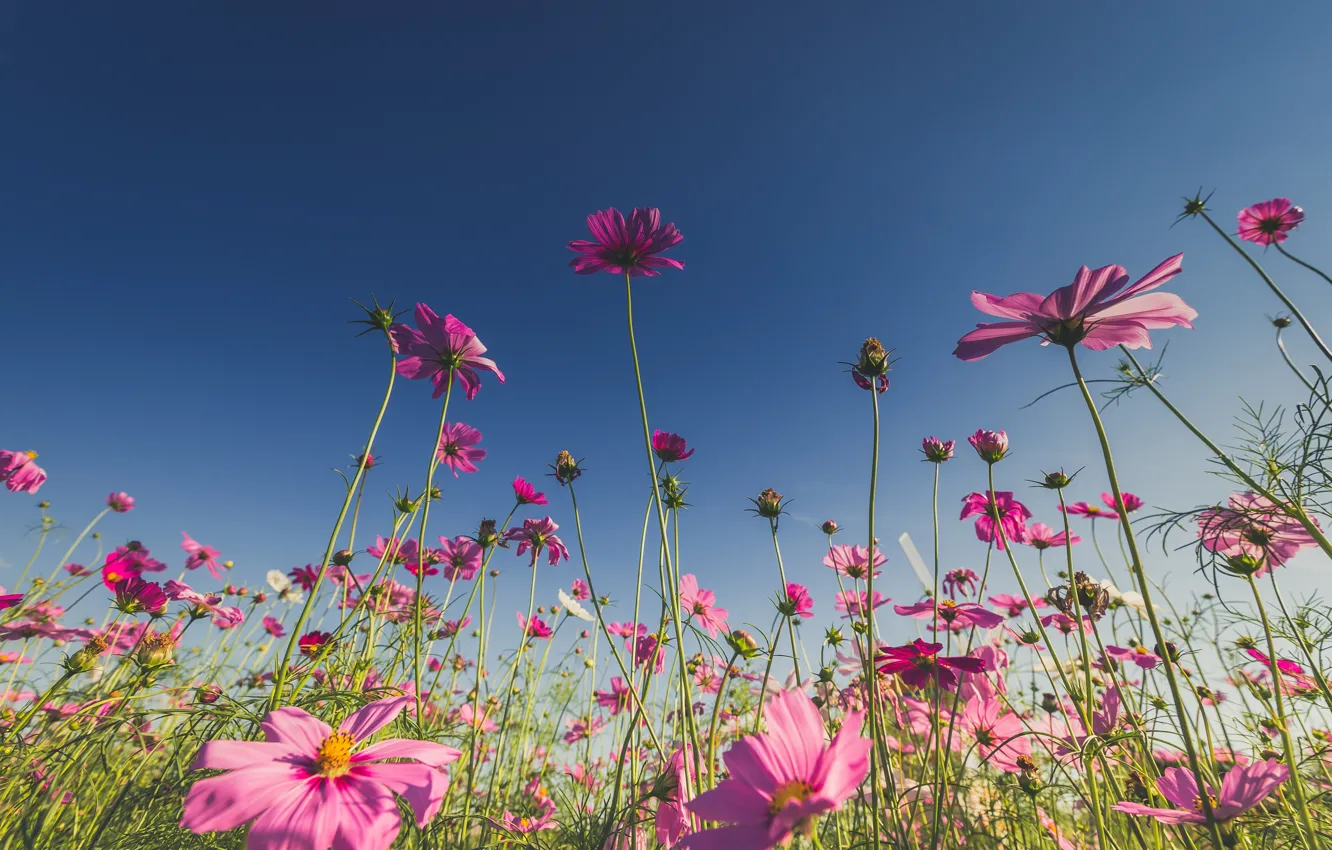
1099	310
919	663
1242	788
312	788
853	561
670	448
701	605
854	605
9	600
1131	502
526	494
534	628
798	602
1269	221
1139	655
1092	512
959	614
631	247
539	534
1255	528
121	503
20	473
200	556
1041	536
273	626
456	450
461	557
437	346
781	781
135	596
1004	513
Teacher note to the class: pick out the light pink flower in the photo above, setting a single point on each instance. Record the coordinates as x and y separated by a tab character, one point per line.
780	782
437	346
224	616
580	728
1041	536
1012	604
1131	502
461	557
20	473
853	604
456	448
995	732
121	503
580	590
1099	310
1011	516
936	450
539	534
618	698
1139	655
991	446
1242	788
853	561
701	605
960	581
1090	511
1253	527
200	556
310	787
621	247
1269	221
959	614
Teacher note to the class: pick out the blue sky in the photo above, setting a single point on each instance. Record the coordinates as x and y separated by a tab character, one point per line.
193	196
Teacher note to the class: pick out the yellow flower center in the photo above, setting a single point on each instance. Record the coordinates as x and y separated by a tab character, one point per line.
1198	804
793	791
334	758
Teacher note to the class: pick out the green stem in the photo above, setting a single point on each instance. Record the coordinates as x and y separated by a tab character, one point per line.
426	497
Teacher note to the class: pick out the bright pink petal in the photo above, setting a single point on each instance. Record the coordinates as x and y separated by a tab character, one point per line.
426	752
1174	816
235	755
294	726
795	731
743	837
732	801
369	719
304	818
1019	305
225	802
845	764
1087	287
422	786
1154	278
987	339
1179	786
369	818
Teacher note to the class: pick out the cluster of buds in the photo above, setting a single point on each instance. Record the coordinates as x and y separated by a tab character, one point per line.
673	493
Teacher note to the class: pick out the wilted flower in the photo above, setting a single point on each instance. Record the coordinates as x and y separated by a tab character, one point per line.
768	504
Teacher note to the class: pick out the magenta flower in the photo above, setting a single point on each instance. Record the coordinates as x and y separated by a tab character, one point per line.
438	346
701	605
580	590
1269	221
9	600
621	247
960	581
618	698
305	576
526	494
936	450
543	819
1099	310
319	790
312	643
539	534
135	596
1131	502
1042	536
1242	788
853	561
1139	655
798	602
204	606
1003	513
121	503
20	473
918	663
461	557
781	781
534	628
1255	528
200	556
855	605
670	448
1092	512
955	614
456	450
991	446
273	626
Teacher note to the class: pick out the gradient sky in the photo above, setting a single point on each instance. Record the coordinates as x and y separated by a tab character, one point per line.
194	192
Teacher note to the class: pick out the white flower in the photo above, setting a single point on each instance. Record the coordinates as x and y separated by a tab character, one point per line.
278	581
1131	598
575	610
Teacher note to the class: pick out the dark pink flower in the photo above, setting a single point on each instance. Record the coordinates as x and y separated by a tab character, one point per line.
9	600
1099	310
1131	502
539	534
618	698
1242	788
451	628
1042	536
959	614
798	602
936	450
1255	528
526	494
1290	668
960	581
134	596
20	473
311	643
200	556
701	605
853	561
621	247
456	450
305	576
121	503
461	557
534	628
853	605
274	626
991	446
1269	221
437	346
670	448
1004	513
919	663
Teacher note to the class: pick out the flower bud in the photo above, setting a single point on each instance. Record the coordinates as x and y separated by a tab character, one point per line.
990	445
566	468
1169	652
155	650
873	360
486	535
830	527
936	450
743	643
768	504
343	557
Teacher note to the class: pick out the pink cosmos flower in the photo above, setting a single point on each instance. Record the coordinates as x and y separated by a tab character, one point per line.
1139	655
9	600
467	715
1242	788
936	450
1004	512
1099	310
853	561
200	556
437	346
134	595
580	728
273	626
1092	512
798	602
580	590
701	605
995	732
451	628
542	819
853	605
539	534
1269	221
1131	502
318	790
991	446
1253	527
1041	536
204	606
1012	604
534	628
670	448
618	698
526	494
121	503
960	581
1067	625
621	247
780	782
305	576
456	448
20	473
919	663
955	614
312	643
